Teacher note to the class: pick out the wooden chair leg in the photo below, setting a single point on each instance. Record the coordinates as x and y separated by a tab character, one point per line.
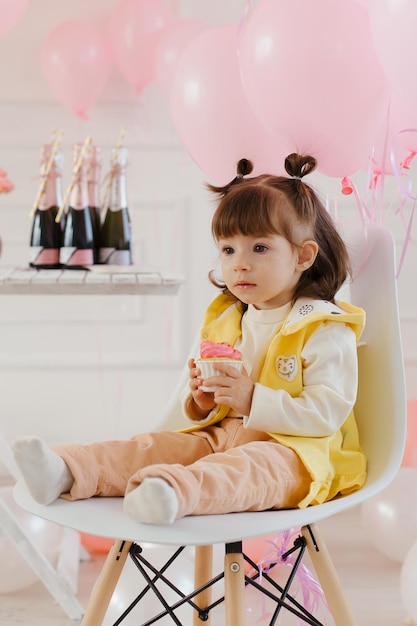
106	583
328	577
203	572
234	585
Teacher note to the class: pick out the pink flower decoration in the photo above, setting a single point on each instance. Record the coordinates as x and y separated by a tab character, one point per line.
6	185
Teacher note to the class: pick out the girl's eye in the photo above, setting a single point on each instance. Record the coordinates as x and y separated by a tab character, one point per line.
260	248
227	250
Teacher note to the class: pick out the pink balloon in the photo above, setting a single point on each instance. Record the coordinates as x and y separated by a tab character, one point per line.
393	26
75	64
211	114
171	44
311	74
134	29
10	13
364	3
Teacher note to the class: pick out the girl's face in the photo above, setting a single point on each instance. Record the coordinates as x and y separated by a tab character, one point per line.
264	271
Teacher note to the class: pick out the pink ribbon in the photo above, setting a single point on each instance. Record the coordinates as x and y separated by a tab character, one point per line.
312	592
368	211
406	190
405	165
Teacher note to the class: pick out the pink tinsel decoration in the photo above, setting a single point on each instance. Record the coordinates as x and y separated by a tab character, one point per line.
312	592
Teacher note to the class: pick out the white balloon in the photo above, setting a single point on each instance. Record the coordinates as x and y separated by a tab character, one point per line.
390	517
15	572
408	582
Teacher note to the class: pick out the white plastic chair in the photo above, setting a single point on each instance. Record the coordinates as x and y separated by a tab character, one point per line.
381	415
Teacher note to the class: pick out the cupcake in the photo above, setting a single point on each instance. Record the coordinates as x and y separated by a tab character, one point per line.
210	353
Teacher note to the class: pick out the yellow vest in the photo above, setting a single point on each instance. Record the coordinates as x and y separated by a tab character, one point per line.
336	462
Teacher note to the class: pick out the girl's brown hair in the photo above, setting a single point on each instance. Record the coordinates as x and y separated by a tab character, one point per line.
268	204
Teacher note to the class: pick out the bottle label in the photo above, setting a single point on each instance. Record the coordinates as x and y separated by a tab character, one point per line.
43	256
75	257
111	256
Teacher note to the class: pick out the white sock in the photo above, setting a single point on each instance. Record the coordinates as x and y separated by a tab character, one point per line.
45	473
153	502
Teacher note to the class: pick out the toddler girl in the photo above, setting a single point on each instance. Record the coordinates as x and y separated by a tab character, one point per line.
281	433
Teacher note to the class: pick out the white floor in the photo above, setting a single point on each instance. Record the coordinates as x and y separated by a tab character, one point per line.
371	581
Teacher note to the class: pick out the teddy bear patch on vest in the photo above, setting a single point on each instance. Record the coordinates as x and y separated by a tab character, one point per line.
287	367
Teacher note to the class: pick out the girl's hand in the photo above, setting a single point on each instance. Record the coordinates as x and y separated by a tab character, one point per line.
203	400
234	388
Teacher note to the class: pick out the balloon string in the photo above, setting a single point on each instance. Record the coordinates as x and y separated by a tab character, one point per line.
383	168
249	6
400	208
364	213
406	240
370	184
375	214
406	190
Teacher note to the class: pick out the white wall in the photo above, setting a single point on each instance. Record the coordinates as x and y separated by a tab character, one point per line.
82	368
66	360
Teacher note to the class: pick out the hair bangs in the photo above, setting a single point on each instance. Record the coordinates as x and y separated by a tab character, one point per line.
249	211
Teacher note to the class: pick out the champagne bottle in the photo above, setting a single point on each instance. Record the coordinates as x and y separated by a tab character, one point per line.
116	234
77	250
93	178
46	234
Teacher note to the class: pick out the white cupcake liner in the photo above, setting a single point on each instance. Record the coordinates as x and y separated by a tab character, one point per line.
206	367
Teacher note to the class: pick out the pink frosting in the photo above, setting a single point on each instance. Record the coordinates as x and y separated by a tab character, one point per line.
210	350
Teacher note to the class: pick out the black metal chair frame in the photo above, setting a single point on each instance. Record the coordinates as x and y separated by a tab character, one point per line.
281	596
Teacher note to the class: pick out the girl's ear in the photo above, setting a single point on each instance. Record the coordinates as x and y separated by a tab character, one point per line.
307	254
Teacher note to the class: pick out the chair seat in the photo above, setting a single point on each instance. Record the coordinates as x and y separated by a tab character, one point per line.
104	517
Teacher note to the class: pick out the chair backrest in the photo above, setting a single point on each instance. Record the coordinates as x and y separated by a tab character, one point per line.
380	407
381	403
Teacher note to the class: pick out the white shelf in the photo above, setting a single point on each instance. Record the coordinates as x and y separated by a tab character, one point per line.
97	280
